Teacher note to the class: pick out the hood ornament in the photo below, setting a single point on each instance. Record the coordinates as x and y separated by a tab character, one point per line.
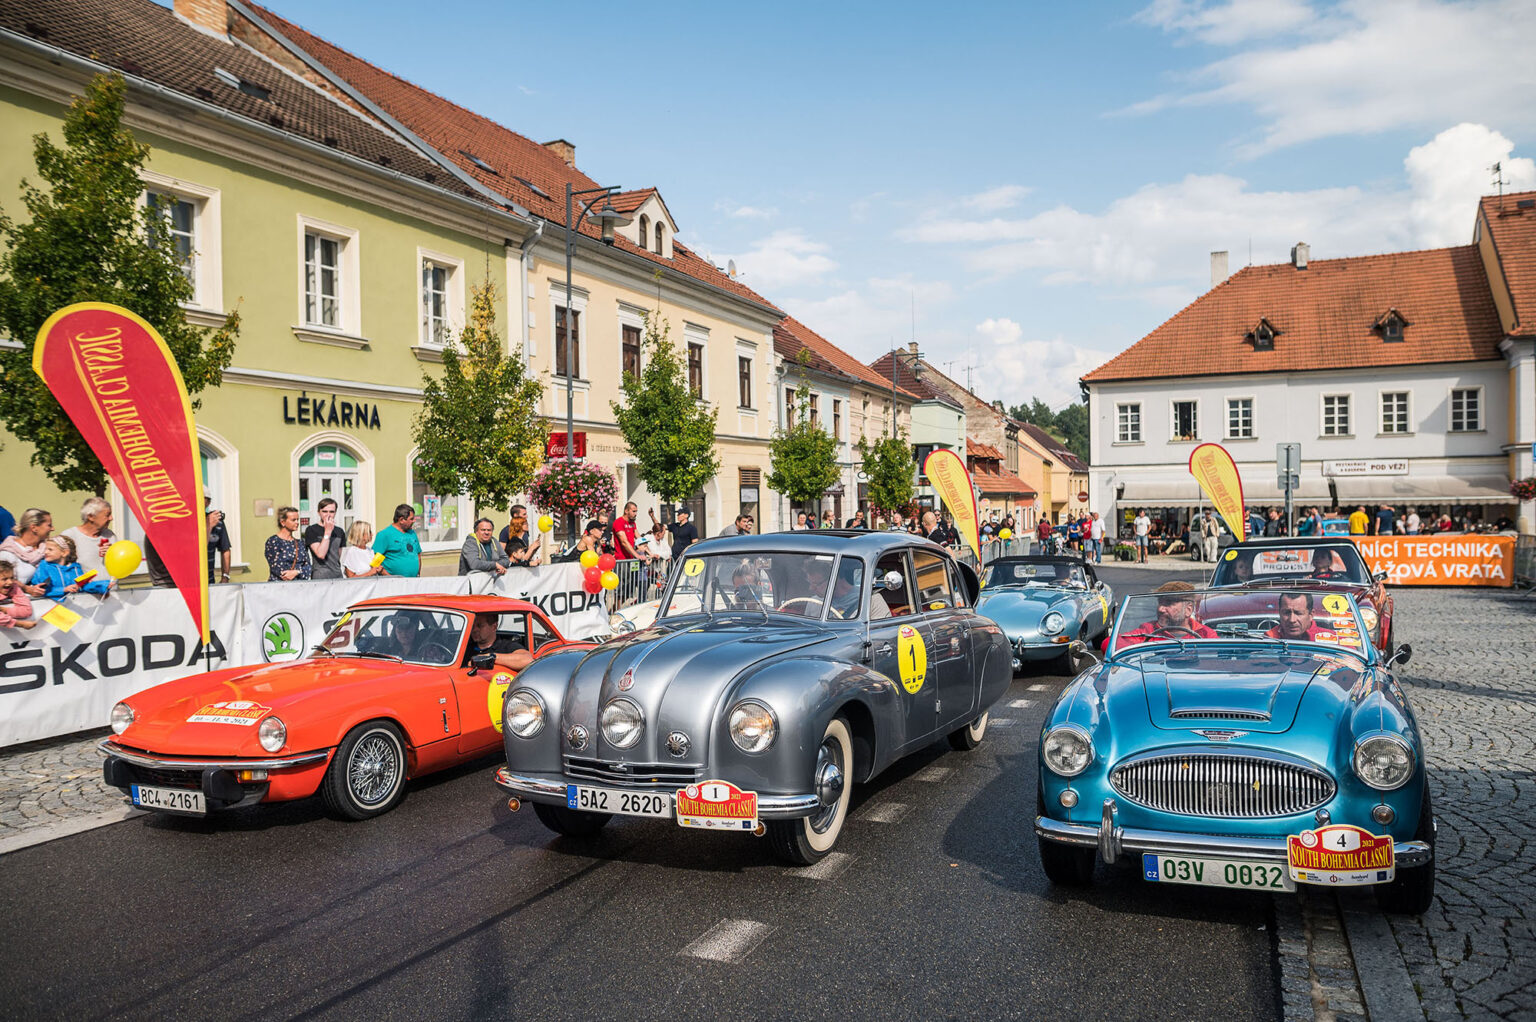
628	681
1218	734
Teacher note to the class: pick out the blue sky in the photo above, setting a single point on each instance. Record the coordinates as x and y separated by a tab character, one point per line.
1044	182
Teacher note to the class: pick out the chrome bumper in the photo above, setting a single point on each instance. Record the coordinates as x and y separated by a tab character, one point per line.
144	759
1113	840
769	807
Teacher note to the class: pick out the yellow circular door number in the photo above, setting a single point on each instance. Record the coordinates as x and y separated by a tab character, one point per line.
495	693
911	658
692	566
1333	603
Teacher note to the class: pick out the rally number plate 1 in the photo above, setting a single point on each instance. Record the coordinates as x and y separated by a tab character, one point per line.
620	803
1180	869
170	800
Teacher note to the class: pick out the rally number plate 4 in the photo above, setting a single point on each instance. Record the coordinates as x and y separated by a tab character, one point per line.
170	800
620	803
1181	869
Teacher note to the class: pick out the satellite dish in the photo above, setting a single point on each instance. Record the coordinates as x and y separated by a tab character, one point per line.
730	268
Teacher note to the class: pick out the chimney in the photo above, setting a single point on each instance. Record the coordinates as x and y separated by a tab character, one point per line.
1300	253
211	16
563	149
912	347
1218	268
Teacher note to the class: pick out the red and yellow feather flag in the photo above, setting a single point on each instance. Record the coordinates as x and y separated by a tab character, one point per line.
119	385
1216	472
948	475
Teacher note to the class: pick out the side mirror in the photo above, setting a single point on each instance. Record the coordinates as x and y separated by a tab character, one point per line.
1402	656
482	662
891	581
1080	657
1380	576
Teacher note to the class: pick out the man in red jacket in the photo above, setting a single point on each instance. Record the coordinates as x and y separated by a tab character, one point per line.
1175	618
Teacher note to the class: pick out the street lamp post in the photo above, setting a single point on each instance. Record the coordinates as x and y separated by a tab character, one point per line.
608	218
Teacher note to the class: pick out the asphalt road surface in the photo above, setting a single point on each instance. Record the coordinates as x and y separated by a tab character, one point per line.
451	907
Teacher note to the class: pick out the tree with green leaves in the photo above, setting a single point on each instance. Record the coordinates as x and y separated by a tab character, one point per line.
669	431
1069	426
89	239
802	456
889	464
479	430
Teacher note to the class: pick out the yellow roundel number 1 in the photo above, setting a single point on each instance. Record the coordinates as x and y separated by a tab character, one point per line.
495	695
911	658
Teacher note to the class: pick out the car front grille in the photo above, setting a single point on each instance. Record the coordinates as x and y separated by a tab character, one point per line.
1214	714
1227	786
156	777
632	774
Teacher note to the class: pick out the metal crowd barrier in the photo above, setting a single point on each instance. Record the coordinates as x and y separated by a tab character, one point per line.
1525	561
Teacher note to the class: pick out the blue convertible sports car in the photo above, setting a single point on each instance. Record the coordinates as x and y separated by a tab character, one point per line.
1239	738
1043	603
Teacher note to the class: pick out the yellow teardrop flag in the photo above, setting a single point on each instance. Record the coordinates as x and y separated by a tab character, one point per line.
1216	472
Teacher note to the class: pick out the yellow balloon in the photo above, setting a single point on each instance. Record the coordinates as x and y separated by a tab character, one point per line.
546	523
610	580
589	558
122	558
1005	534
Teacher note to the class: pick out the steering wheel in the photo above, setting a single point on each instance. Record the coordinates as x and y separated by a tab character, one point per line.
802	599
435	651
1176	630
1328	574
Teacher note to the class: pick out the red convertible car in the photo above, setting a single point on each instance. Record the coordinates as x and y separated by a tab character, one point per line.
401	687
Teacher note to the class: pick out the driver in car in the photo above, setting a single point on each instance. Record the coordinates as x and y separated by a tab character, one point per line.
402	636
1242	569
1175	618
1322	563
511	652
1296	620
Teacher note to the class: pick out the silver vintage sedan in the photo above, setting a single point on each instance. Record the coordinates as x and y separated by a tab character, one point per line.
782	669
1045	603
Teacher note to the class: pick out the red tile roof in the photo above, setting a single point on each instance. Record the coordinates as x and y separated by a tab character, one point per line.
628	202
1323	316
791	337
977	449
1052	446
519	164
1001	482
911	382
1513	230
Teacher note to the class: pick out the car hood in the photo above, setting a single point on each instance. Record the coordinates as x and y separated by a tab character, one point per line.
1021	605
677	674
1257	691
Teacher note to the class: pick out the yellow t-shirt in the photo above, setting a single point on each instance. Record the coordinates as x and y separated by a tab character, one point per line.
1358	523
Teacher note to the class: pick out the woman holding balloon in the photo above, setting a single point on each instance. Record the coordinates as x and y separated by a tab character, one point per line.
597	567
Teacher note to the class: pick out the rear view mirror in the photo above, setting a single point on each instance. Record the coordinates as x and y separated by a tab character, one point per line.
1403	654
1380	576
482	662
891	581
1080	657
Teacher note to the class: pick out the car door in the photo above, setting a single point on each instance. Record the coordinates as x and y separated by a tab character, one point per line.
900	645
1094	602
949	653
481	693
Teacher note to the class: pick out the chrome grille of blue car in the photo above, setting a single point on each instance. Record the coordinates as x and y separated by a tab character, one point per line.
1227	786
638	774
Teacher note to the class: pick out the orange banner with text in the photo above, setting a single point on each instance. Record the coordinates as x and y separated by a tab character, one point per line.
118	383
1441	560
1216	472
949	477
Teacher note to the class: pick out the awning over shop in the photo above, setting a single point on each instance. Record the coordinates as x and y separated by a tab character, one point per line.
1423	489
1264	490
1181	490
1161	491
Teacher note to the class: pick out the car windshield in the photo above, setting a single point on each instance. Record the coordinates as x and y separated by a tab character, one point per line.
1277	565
797	584
1260	615
1042	573
415	635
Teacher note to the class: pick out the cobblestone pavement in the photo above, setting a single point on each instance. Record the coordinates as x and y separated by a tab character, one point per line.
47	782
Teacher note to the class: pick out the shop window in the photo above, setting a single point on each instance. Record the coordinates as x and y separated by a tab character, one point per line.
440	520
328	470
750	482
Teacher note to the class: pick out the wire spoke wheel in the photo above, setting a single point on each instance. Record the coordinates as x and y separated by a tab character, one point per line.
373	769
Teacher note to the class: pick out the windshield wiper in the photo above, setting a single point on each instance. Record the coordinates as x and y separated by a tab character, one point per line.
322	648
380	654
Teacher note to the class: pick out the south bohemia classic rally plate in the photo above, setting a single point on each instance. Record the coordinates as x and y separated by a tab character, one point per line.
716	805
1340	855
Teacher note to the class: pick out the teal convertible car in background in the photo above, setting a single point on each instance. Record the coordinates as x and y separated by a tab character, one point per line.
1044	603
1239	738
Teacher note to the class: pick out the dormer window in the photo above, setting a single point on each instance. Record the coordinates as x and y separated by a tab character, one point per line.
1390	325
645	226
1262	336
660	227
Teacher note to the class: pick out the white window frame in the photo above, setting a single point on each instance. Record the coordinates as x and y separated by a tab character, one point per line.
1322	414
634	316
1381	412
1252	431
454	296
1122	422
208	244
1450	410
695	334
466	509
1173	416
349	293
579	298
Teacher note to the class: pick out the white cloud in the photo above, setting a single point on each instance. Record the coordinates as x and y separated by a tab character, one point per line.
1225	24
1017	369
784	258
1366	68
1447	175
736	212
994	200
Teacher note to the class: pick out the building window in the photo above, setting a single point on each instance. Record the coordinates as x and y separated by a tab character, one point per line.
435	329
750	481
439	519
322	280
328	470
564	357
1392	329
1394	412
1128	423
660	228
631	351
1185	424
837	419
696	369
1336	415
815	409
1466	410
789	407
181	224
885	417
645	230
744	379
1240	418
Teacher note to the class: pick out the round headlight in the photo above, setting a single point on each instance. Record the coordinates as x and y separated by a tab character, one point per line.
272	734
1369	616
1067	750
1052	623
122	716
524	713
1384	762
622	723
620	624
752	726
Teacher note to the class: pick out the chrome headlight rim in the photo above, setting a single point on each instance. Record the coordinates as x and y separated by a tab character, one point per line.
526	719
1370	618
121	718
607	725
272	733
1062	730
1361	754
737	715
1053	623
